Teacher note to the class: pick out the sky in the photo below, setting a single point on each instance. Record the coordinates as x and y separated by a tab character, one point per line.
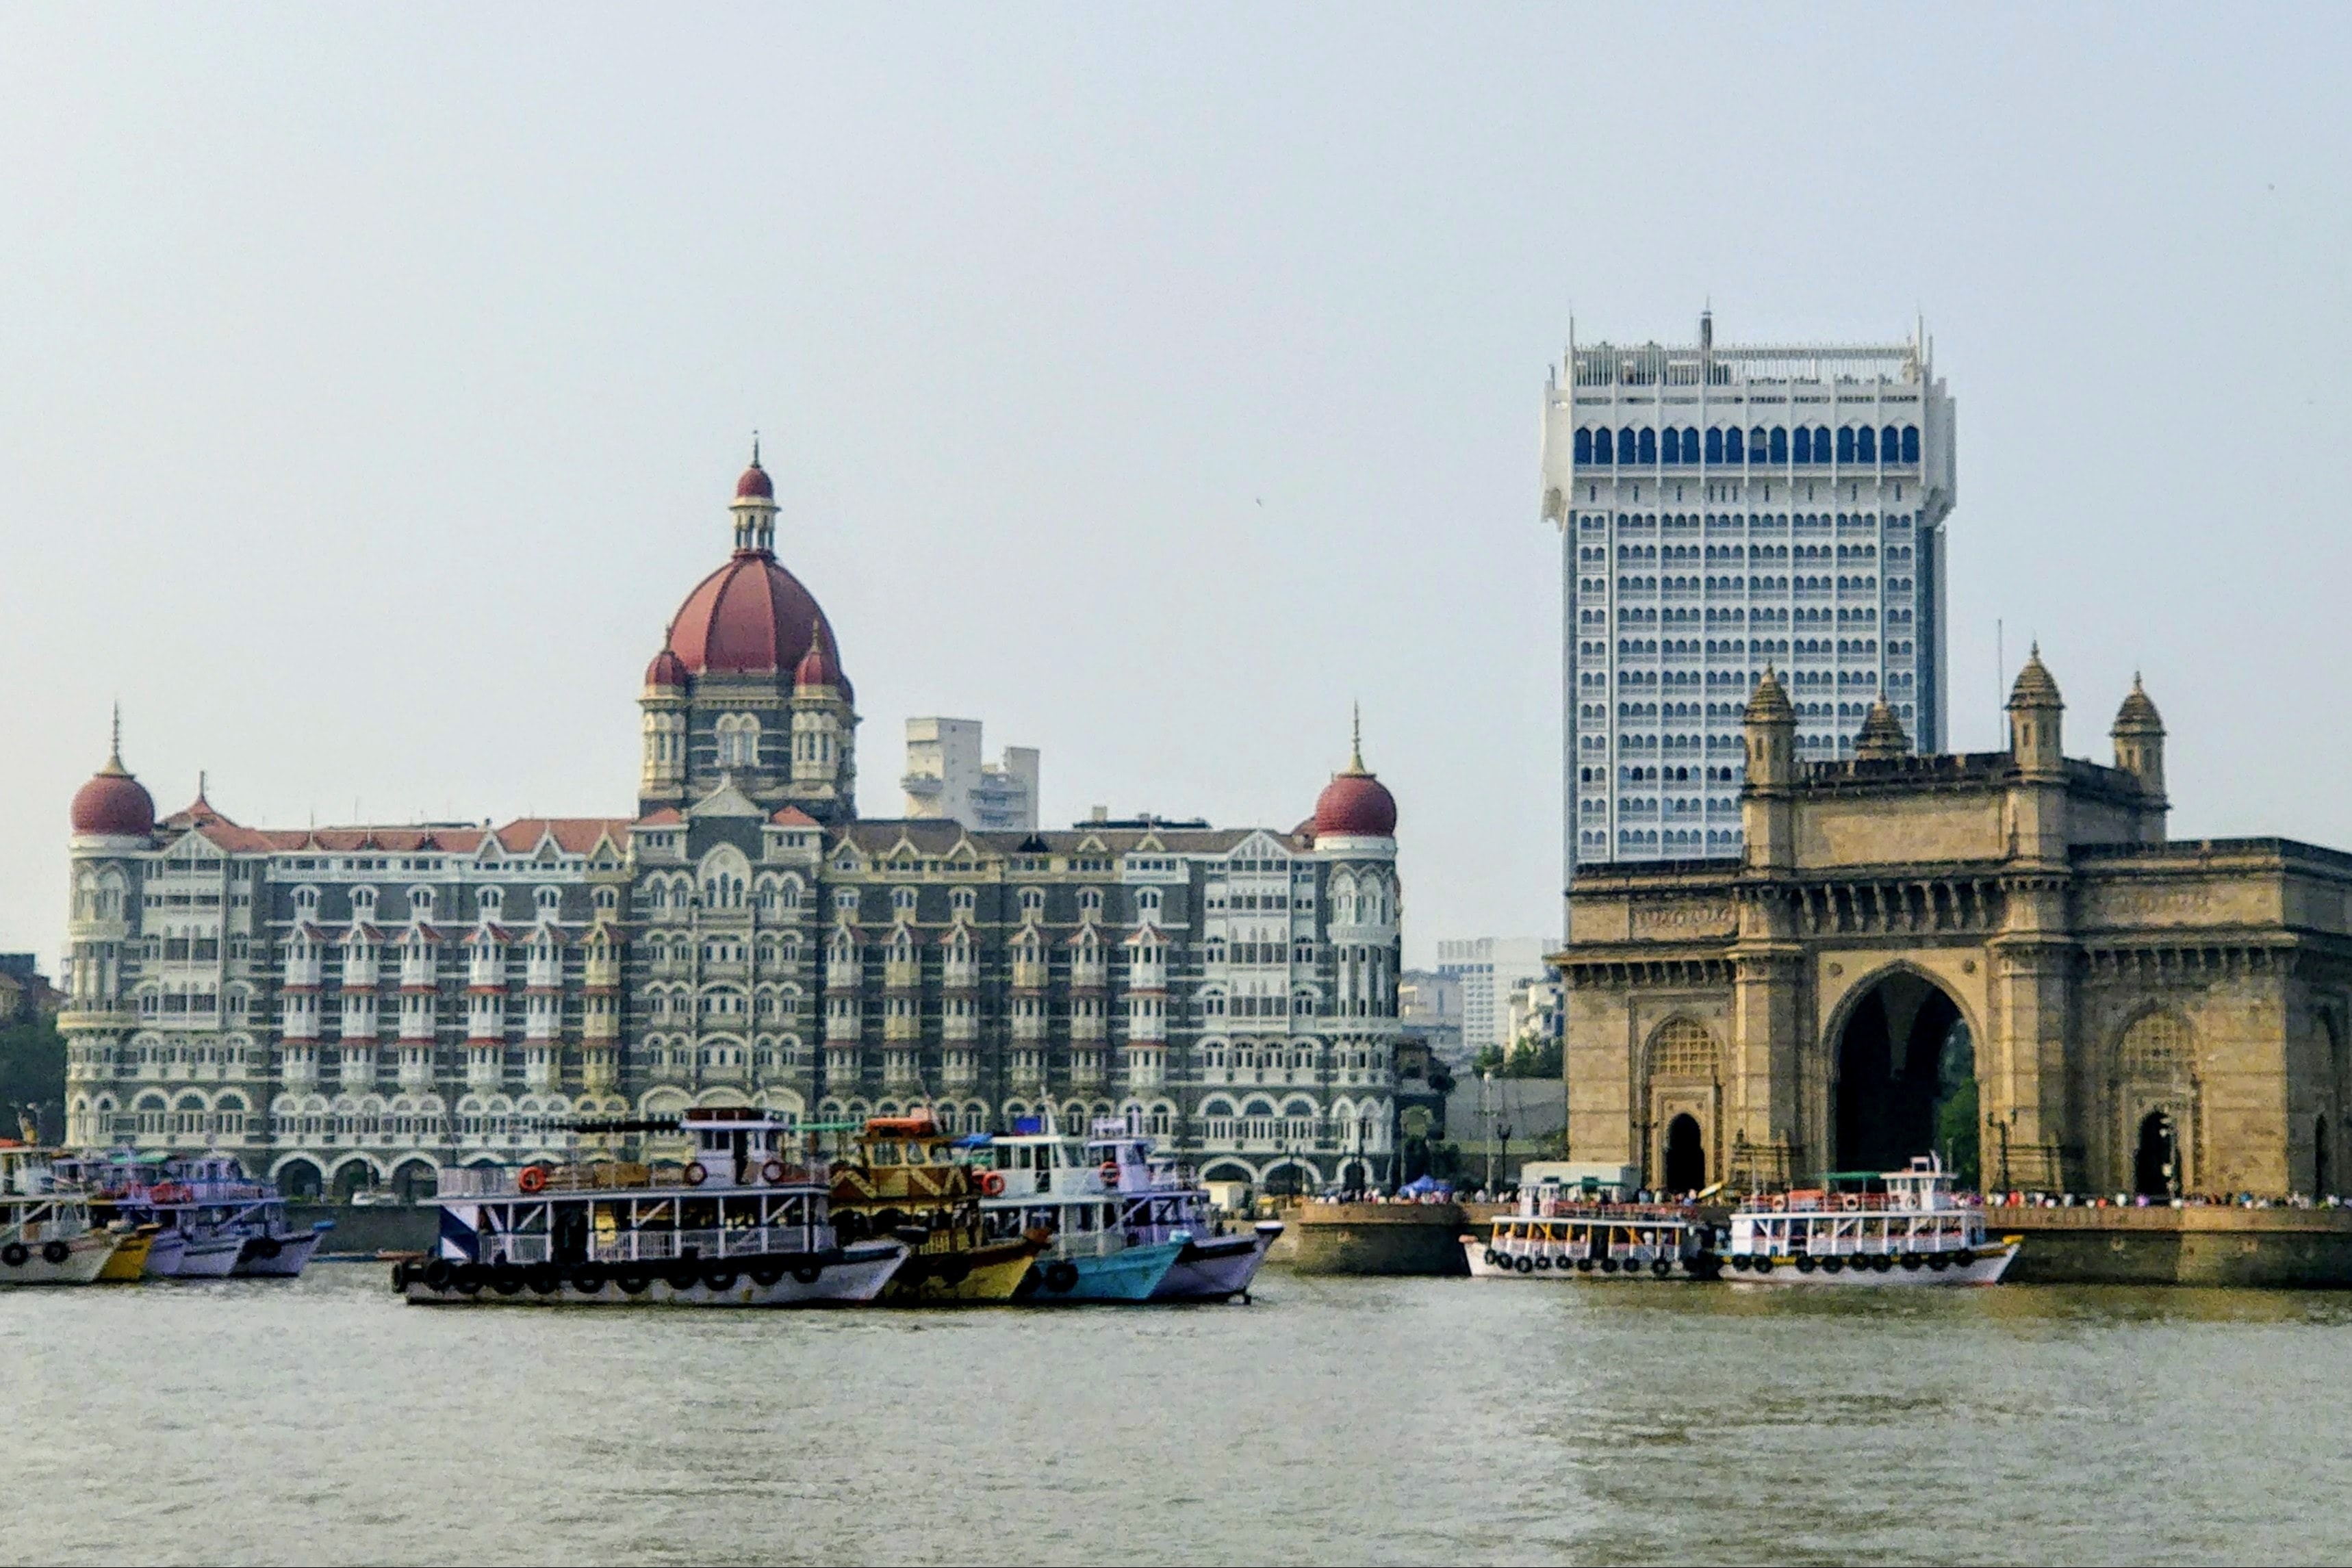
1151	383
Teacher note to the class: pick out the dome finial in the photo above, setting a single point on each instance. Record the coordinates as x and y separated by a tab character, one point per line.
114	746
1356	739
755	449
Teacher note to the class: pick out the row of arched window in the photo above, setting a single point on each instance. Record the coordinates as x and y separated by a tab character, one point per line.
1809	444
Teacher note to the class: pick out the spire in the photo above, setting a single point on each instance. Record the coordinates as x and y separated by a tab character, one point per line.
755	449
114	768
1356	740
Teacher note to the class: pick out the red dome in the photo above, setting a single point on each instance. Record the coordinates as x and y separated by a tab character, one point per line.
113	803
817	667
1355	805
749	616
755	483
666	670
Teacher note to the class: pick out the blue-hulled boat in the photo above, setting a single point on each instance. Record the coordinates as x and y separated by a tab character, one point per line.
1040	1185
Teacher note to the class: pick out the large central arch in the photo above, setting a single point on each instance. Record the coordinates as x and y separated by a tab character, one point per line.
1906	1080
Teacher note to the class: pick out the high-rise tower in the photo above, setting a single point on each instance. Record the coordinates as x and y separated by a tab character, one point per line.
1724	509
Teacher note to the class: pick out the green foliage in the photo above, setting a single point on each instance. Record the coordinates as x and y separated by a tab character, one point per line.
32	1072
1956	1136
1536	1059
1526	1059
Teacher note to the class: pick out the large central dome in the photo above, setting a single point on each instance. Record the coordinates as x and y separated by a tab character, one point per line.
750	617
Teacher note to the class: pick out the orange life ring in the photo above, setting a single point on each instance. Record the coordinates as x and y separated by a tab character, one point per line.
992	1183
532	1179
1109	1172
774	1172
696	1172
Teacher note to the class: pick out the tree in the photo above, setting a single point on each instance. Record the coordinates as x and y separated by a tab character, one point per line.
33	1072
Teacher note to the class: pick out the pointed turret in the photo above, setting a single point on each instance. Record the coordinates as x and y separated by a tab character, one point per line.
2034	711
1882	738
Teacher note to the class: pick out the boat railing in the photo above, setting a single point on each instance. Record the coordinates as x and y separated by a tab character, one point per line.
1638	1213
667	1246
603	1176
1852	1203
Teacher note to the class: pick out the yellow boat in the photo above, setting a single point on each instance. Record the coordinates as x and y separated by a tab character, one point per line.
130	1258
905	1182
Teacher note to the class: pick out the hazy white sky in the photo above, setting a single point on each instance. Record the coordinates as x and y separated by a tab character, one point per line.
1148	382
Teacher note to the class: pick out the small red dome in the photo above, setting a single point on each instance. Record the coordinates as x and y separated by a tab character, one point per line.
755	483
749	616
113	803
817	667
1355	805
666	670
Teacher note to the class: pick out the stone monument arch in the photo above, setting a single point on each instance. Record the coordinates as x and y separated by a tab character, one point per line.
1900	933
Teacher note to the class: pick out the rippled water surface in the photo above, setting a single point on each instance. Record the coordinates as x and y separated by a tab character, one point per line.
1429	1420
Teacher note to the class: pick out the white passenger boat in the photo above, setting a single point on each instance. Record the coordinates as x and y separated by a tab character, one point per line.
1897	1228
745	1223
47	1236
1160	1201
1556	1233
1041	1185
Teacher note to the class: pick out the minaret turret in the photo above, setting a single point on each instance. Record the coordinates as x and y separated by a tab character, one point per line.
2138	735
2034	708
1767	816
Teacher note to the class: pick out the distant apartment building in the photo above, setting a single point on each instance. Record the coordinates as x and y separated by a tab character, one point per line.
1723	509
1537	1009
947	781
1429	1005
1486	968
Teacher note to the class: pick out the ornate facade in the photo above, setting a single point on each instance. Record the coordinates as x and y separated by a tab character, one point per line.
1998	956
349	1006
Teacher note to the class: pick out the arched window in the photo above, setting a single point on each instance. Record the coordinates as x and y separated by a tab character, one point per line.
1584	446
1626	445
1690	445
1821	444
1780	445
1846	443
1649	446
1714	445
1731	445
1604	447
1910	444
1804	445
1684	1048
1866	444
2157	1049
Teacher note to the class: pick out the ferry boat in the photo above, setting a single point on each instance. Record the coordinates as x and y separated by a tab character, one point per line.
1041	1186
209	1219
904	1180
1553	1235
46	1236
745	1222
1160	1201
1912	1230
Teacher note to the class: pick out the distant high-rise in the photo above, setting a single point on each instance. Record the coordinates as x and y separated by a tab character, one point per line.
1722	509
946	778
1486	968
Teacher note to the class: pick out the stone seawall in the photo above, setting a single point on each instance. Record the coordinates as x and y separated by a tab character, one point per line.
2278	1247
1380	1238
2272	1247
371	1230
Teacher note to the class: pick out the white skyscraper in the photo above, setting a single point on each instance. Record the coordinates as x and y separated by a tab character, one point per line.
945	778
1723	509
1486	968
